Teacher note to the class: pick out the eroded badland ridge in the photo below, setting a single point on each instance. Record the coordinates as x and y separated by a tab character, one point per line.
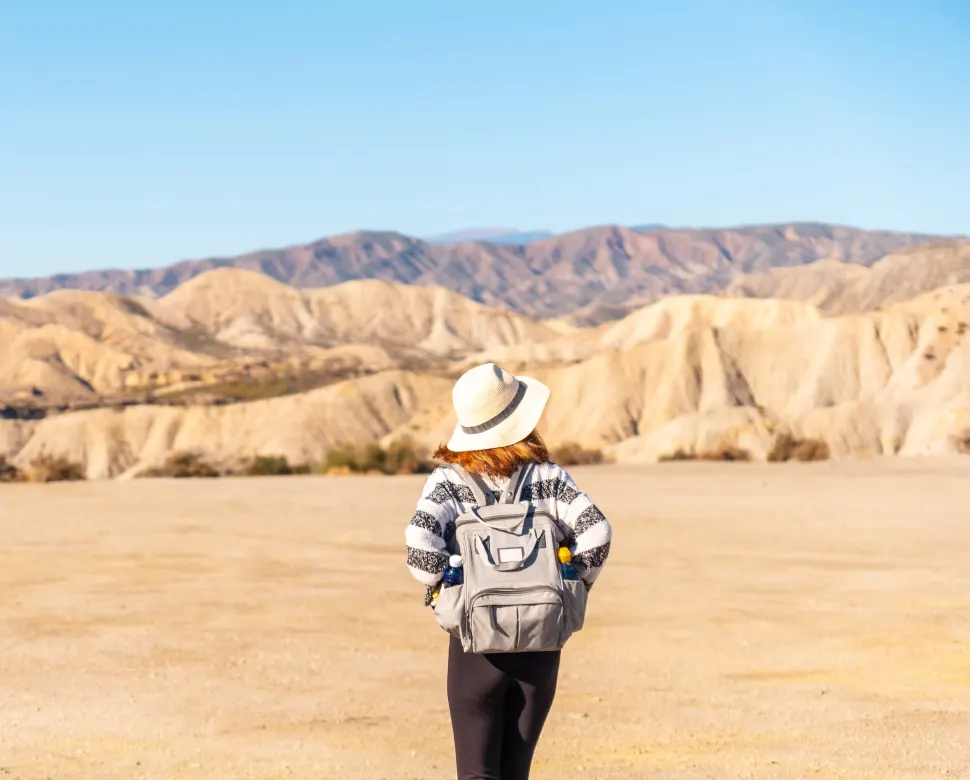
856	343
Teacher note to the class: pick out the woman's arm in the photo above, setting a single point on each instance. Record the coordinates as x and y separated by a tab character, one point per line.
590	528
427	535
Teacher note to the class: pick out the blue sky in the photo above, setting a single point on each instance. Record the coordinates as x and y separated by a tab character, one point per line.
138	134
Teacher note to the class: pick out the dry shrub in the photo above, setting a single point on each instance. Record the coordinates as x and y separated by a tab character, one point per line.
9	472
729	453
676	455
54	468
273	466
811	450
571	454
404	457
183	465
961	442
787	447
722	453
401	457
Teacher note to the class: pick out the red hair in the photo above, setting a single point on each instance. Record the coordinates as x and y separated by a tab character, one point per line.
499	461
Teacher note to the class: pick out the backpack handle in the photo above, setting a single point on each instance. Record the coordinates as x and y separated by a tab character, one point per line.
514	530
482	549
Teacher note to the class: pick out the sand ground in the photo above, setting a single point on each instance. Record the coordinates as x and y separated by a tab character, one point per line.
796	621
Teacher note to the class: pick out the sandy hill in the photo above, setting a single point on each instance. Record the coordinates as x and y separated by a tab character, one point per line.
302	427
690	375
247	309
661	321
840	288
594	275
77	346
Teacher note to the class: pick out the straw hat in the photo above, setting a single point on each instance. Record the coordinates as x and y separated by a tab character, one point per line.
495	408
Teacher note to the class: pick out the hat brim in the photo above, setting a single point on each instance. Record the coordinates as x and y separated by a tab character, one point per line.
510	431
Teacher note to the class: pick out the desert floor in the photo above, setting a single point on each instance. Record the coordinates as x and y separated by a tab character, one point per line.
781	621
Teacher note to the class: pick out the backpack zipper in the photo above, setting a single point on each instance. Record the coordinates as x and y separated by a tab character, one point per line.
512	592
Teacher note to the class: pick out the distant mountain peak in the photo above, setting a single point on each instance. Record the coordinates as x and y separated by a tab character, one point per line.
490	235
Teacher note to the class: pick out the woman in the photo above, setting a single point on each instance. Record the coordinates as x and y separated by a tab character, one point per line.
499	702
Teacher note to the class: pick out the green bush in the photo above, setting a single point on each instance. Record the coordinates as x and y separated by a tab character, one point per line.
183	465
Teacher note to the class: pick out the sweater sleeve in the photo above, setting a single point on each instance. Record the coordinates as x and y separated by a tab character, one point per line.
591	530
429	532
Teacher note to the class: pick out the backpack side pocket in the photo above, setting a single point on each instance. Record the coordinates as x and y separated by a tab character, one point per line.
574	601
449	609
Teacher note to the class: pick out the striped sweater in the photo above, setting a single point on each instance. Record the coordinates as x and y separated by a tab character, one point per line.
445	497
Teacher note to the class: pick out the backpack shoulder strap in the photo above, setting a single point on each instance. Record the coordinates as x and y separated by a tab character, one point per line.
483	496
518	481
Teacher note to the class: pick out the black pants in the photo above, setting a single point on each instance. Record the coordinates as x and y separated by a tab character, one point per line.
499	703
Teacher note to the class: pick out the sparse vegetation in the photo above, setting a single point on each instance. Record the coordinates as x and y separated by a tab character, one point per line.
721	453
273	466
725	453
787	447
669	457
961	442
256	388
571	454
401	457
53	468
9	472
811	450
183	465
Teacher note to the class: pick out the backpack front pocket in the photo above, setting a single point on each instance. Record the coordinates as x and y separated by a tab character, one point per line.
529	619
493	628
540	627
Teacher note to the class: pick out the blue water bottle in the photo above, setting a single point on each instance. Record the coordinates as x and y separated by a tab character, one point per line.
454	575
569	571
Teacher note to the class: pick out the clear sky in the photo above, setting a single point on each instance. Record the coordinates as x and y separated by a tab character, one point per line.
137	134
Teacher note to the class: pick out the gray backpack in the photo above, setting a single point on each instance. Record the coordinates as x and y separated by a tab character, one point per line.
513	598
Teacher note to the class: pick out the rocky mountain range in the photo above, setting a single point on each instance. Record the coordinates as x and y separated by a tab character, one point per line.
589	276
